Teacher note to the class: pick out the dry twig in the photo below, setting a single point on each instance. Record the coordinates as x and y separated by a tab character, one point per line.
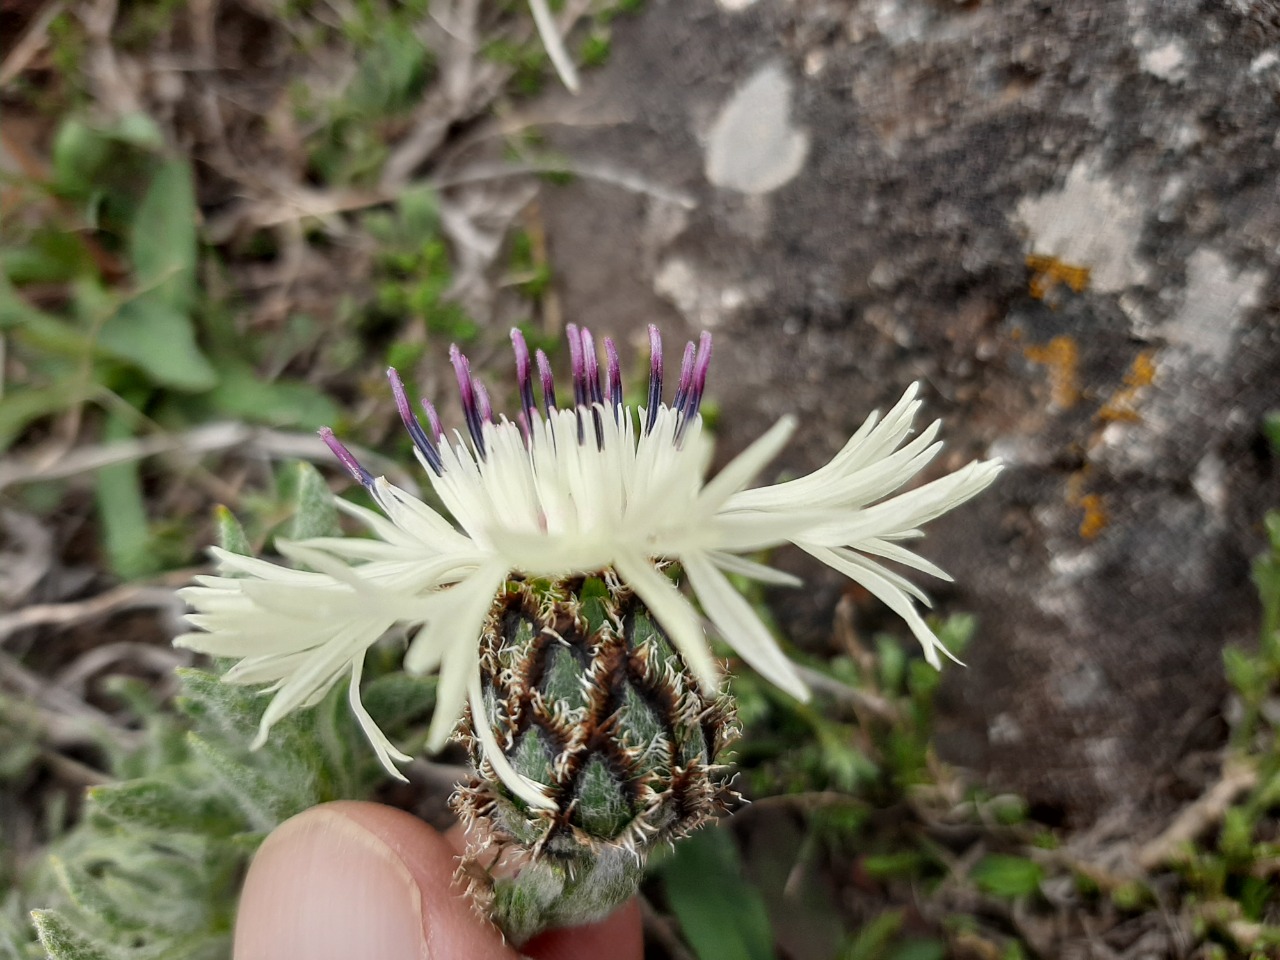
128	597
63	718
211	438
30	43
1237	777
551	38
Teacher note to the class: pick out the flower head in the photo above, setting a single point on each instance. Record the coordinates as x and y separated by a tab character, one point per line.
590	487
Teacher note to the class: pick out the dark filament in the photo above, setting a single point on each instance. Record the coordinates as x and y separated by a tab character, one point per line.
420	439
359	473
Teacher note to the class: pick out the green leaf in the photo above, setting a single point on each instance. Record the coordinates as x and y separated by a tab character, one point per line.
919	949
874	937
240	392
90	897
263	797
1271	427
903	863
419	210
160	340
162	241
722	917
78	152
229	711
62	942
1266	576
154	329
23	406
1006	876
138	130
161	805
892	659
314	514
41	331
50	256
122	512
396	698
231	536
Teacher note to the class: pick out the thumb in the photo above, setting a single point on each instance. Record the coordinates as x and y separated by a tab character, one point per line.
358	881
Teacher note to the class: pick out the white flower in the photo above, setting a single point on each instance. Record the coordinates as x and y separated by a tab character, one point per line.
568	491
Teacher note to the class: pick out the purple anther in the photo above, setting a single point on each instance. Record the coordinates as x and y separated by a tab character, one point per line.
615	377
576	365
467	390
358	473
686	379
524	374
548	382
462	370
433	420
483	407
700	366
591	368
655	377
597	423
412	424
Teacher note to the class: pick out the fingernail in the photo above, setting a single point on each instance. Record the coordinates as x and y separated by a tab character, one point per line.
322	887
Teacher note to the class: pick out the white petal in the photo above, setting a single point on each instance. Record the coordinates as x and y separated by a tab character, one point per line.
879	547
908	511
417	519
253	567
383	528
745	531
731	563
307	601
530	791
857	561
673	613
315	675
740	627
384	748
268	669
742	468
450	637
890	596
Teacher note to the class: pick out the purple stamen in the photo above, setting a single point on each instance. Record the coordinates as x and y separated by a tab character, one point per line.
591	387
615	377
591	368
412	424
597	423
433	420
576	365
548	382
524	374
358	473
655	377
466	387
483	406
686	379
700	367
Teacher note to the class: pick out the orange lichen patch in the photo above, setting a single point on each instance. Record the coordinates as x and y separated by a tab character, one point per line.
1062	357
1047	272
1095	517
1122	406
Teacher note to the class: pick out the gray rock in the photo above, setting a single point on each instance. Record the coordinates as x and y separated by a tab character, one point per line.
752	146
1130	150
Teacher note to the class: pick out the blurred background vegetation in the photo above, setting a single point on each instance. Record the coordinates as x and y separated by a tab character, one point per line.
220	224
